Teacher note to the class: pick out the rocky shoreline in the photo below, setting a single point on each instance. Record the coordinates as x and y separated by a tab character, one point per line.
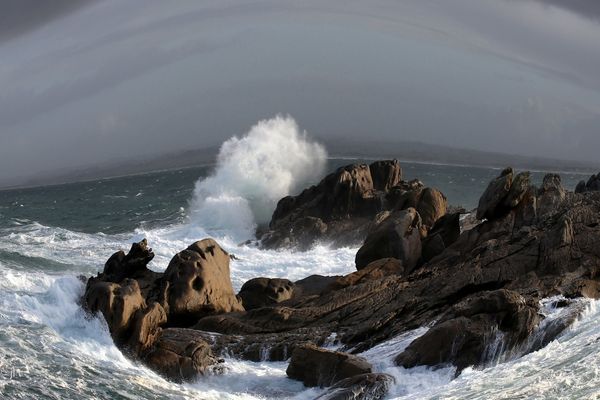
474	286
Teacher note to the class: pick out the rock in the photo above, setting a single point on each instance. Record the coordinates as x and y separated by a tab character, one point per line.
199	284
550	195
313	285
518	189
592	185
462	335
385	174
343	202
181	355
442	235
396	237
265	292
375	270
360	387
146	327
118	303
315	366
120	266
494	196
432	206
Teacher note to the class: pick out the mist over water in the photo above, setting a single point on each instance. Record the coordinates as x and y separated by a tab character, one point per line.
274	159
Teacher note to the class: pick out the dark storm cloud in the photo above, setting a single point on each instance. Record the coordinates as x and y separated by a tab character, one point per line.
109	80
586	8
20	16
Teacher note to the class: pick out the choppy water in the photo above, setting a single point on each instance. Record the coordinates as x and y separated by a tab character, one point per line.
48	349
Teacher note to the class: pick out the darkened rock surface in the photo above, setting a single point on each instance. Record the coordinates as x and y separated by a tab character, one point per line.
316	366
483	284
360	387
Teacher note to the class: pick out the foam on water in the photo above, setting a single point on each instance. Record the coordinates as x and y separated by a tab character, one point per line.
253	172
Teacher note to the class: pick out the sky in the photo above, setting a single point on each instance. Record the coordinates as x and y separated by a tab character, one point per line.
86	82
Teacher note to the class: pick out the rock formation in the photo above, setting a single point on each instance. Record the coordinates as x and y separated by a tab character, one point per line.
482	285
342	207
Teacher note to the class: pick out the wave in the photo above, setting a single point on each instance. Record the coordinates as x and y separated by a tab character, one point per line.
253	172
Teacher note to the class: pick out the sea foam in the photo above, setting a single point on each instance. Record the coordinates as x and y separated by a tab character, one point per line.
272	160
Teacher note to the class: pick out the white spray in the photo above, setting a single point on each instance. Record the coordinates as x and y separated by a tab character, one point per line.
253	172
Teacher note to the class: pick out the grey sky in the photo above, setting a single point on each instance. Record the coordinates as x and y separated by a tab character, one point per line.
99	80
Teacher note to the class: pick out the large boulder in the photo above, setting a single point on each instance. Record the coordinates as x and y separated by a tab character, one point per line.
550	195
398	236
198	283
374	270
265	292
432	206
385	174
315	366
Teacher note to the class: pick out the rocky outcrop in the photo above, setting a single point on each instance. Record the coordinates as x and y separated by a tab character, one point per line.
479	286
341	203
592	185
138	304
315	366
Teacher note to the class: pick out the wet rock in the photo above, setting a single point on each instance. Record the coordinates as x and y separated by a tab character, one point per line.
199	283
265	292
120	265
118	303
315	366
360	387
462	335
181	355
397	237
313	285
146	327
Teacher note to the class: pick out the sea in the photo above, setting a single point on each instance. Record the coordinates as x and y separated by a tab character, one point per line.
51	236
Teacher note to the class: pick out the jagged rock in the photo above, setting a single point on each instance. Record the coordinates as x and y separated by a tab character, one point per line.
592	185
463	333
518	189
385	174
494	195
315	366
181	355
120	265
118	303
264	292
343	202
396	237
360	387
550	195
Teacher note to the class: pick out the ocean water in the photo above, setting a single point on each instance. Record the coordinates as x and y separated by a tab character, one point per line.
51	235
